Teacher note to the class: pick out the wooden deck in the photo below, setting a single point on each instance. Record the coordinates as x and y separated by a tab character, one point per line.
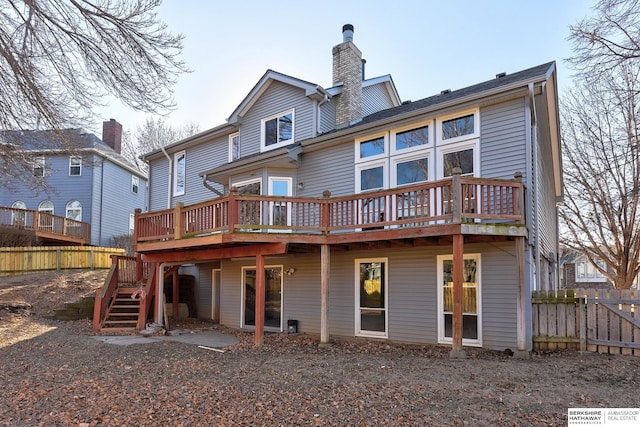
457	205
50	228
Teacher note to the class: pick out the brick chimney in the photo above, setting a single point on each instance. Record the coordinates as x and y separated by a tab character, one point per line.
112	134
347	69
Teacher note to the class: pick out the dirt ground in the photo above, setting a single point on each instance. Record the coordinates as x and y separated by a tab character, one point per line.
55	374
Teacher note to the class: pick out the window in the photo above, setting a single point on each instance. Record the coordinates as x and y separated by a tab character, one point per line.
372	177
463	159
74	210
132	222
471	316
45	219
272	297
234	147
75	166
372	148
587	272
179	175
277	131
18	218
280	212
410	138
371	297
135	183
38	166
249	212
411	171
459	126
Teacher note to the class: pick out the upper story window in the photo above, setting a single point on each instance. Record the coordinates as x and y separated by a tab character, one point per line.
132	222
18	218
459	127
179	173
463	159
75	166
372	147
46	206
411	138
135	184
277	131
234	147
38	166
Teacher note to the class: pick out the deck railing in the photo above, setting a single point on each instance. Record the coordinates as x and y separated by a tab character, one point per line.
452	200
45	224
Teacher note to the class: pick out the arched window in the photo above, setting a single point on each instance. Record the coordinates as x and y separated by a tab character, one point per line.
18	218
45	219
74	210
46	206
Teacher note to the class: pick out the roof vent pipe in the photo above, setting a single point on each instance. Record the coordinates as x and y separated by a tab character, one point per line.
347	33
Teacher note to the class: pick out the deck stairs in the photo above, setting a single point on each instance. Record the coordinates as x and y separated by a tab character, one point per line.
122	315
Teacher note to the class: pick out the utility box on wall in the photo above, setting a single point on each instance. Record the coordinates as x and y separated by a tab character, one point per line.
292	326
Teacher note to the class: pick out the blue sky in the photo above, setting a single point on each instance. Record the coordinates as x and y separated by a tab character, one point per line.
426	46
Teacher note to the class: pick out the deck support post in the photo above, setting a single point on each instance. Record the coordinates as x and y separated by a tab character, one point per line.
325	260
259	309
521	303
176	293
458	269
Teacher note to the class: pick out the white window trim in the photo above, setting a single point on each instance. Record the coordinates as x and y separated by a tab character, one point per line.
46	210
176	156
132	222
38	161
231	137
411	155
247	182
428	145
136	179
383	155
384	162
358	330
476	127
71	158
242	296
441	151
465	341
263	146
67	209
289	181
595	277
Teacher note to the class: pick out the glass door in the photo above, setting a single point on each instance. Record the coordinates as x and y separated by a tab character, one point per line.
272	297
371	288
280	212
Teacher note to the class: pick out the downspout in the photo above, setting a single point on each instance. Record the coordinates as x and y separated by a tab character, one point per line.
101	201
170	177
534	187
209	187
319	124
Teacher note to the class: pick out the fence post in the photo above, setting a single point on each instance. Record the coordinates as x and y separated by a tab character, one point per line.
58	259
583	323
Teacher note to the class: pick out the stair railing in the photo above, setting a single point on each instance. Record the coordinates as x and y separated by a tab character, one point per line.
105	295
146	297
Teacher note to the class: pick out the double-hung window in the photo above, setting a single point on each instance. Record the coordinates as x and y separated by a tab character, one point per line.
75	166
234	146
38	166
179	173
135	184
277	131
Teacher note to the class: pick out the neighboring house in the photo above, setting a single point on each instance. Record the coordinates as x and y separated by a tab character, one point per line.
423	234
95	184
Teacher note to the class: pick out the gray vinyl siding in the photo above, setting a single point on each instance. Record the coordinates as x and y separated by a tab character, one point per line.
118	202
331	169
327	116
198	159
278	98
412	292
375	98
503	139
159	176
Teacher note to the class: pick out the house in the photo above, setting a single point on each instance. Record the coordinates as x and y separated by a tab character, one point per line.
89	180
343	211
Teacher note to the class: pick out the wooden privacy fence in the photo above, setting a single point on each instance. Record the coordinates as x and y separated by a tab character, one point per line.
33	259
597	320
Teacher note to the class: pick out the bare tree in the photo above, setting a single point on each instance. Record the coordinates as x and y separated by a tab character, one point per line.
152	135
601	155
609	37
58	58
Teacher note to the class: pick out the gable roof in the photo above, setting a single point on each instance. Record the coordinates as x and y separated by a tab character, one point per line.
66	140
312	90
